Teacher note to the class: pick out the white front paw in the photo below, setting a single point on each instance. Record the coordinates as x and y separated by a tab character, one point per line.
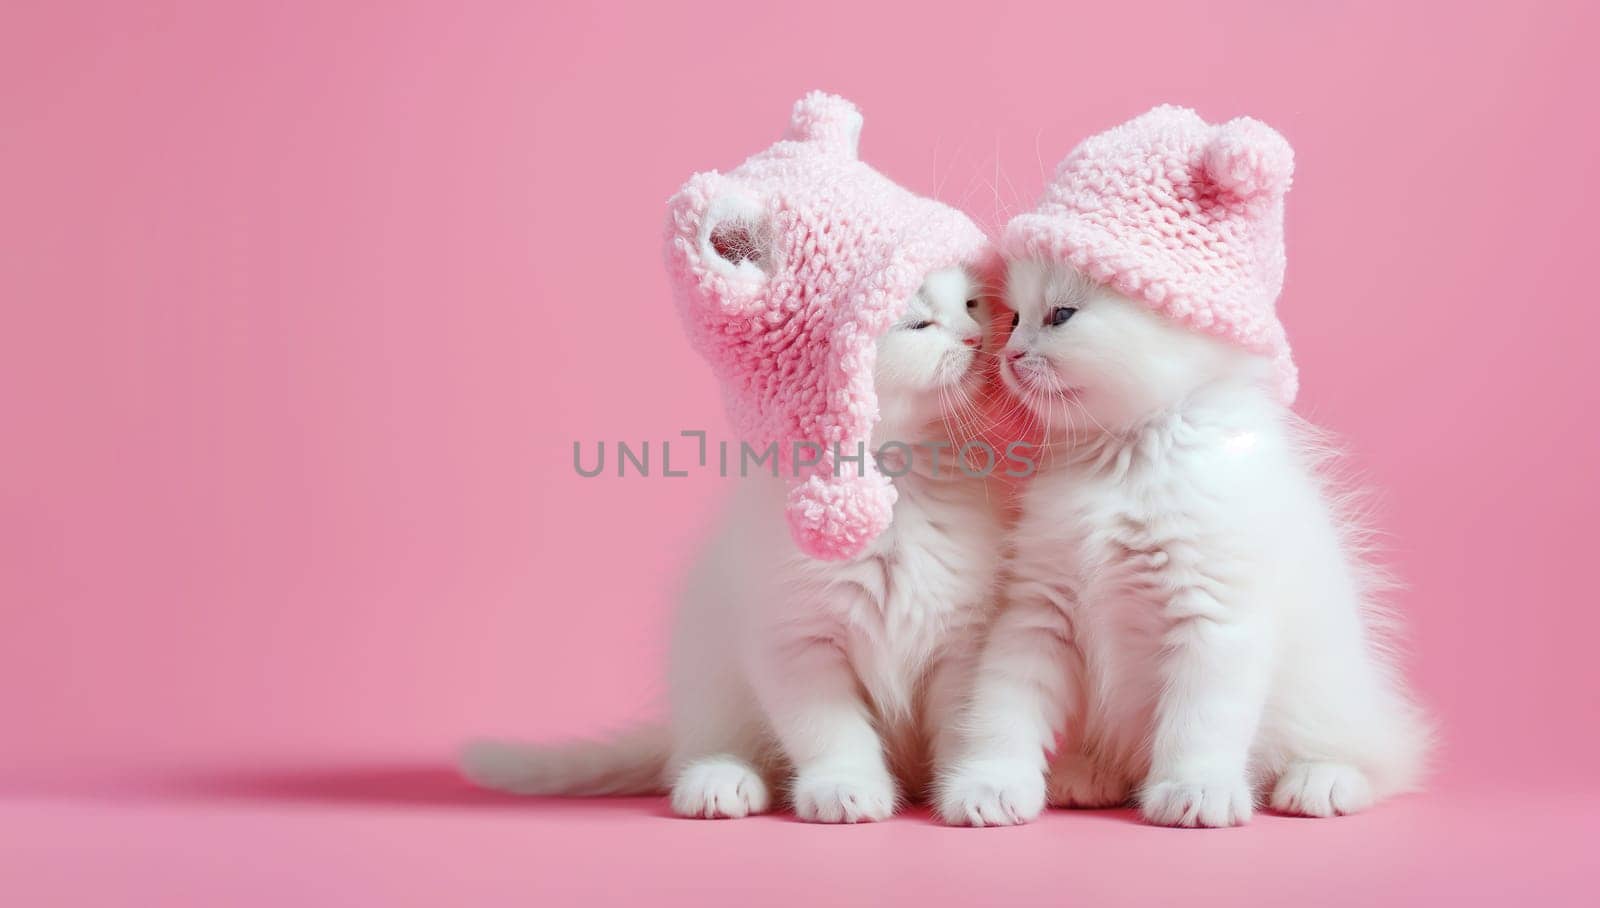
717	788
843	796
1321	790
1224	801
991	793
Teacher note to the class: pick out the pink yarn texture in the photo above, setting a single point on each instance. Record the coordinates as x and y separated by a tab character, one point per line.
1182	214
785	270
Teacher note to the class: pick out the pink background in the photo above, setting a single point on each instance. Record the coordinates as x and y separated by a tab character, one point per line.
305	305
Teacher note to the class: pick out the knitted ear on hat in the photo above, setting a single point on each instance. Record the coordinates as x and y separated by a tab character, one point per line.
1247	159
720	236
828	120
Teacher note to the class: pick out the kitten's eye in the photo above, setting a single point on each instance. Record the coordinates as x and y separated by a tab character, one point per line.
918	326
972	304
1060	314
1015	318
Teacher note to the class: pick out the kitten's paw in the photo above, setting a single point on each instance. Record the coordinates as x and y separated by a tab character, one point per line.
719	787
1075	781
843	796
1197	802
1321	790
991	793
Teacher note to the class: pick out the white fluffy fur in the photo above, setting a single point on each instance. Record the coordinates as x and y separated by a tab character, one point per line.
834	683
1187	621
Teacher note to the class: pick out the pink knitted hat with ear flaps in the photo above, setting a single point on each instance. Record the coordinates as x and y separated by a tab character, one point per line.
786	269
1182	214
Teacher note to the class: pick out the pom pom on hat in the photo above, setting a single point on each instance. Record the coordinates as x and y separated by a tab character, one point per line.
838	517
1249	159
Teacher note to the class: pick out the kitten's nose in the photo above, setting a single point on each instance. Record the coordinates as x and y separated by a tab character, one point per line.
973	341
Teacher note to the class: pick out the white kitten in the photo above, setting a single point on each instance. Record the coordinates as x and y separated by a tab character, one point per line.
835	679
1187	619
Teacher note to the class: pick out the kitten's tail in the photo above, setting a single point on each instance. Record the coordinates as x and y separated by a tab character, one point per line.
631	763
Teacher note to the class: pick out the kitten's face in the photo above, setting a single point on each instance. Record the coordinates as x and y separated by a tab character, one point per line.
1085	357
929	359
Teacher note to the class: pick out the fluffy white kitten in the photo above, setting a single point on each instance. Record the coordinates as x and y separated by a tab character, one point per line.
1187	617
833	682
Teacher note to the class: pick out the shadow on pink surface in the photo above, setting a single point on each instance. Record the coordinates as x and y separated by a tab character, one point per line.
374	785
398	785
429	785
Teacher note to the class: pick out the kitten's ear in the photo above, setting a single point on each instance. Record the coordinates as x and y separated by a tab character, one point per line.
828	120
1247	159
721	230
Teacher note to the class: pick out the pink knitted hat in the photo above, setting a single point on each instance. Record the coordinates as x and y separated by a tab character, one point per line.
786	269
1181	214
